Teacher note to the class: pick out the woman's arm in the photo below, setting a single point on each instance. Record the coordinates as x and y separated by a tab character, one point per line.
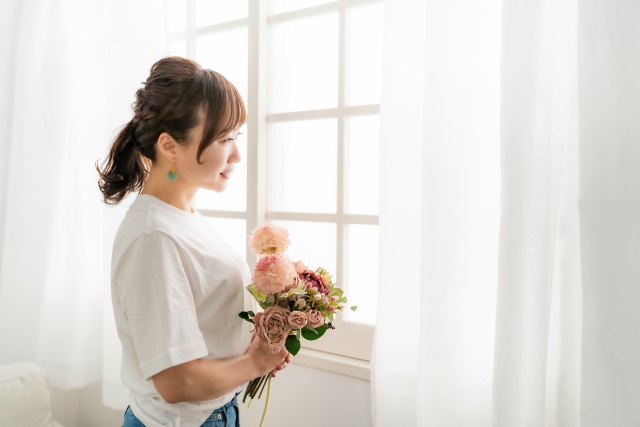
206	379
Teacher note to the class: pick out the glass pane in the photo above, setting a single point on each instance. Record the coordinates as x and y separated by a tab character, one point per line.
227	53
364	54
179	48
209	12
234	197
177	10
362	162
281	6
303	166
233	231
304	64
313	243
361	261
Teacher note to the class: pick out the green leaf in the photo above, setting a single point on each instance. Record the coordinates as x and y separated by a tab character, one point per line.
354	307
251	313
292	344
314	334
244	315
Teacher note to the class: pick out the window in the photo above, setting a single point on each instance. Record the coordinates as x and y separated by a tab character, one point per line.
309	72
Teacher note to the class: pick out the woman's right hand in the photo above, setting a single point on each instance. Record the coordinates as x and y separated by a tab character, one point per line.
264	361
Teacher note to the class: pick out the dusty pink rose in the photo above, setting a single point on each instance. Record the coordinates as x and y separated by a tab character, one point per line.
269	239
297	320
272	328
300	266
315	318
274	273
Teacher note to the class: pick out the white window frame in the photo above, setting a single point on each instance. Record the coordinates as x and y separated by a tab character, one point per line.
347	349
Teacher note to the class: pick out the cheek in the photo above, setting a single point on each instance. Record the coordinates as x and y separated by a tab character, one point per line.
216	158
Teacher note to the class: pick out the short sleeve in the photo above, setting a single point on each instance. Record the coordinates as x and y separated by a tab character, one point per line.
158	303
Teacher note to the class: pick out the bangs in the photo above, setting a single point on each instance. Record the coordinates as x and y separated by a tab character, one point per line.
224	108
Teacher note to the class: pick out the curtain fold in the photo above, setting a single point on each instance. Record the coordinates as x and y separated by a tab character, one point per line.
515	125
76	67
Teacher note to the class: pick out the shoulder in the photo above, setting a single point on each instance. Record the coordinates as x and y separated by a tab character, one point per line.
144	230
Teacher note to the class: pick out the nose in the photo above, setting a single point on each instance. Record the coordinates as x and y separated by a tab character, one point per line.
235	156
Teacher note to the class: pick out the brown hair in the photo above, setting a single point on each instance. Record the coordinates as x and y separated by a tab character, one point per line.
169	102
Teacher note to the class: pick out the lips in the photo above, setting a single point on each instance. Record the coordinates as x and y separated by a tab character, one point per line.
226	175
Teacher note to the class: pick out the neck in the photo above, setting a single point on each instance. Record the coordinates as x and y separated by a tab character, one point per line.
174	193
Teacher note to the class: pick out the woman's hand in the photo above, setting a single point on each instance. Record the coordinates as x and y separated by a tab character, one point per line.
267	363
282	365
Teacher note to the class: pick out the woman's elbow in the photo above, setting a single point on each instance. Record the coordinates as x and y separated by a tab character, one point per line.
170	384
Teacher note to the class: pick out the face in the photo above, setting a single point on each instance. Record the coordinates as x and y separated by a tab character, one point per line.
218	160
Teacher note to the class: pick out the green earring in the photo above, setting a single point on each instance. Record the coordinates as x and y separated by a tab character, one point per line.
173	175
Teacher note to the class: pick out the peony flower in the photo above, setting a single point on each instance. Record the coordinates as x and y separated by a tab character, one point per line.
316	280
300	267
269	239
297	320
274	273
273	328
315	318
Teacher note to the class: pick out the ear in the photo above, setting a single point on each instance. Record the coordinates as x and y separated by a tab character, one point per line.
167	146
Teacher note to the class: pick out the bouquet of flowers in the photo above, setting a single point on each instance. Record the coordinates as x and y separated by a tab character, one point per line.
298	302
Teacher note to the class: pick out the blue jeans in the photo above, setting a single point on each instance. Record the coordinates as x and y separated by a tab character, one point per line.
226	416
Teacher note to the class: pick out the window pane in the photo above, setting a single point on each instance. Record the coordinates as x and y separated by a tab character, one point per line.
281	6
209	12
233	231
179	48
362	162
234	197
303	166
304	64
361	276
227	53
177	10
313	243
364	54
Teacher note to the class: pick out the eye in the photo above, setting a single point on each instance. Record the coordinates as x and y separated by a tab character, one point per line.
231	139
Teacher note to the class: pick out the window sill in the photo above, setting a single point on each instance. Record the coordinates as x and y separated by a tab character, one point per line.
342	365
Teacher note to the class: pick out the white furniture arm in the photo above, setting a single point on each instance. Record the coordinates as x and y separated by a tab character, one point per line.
24	396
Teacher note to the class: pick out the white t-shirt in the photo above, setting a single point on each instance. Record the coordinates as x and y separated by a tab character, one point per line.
177	288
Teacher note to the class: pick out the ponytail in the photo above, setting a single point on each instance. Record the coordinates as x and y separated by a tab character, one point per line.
124	170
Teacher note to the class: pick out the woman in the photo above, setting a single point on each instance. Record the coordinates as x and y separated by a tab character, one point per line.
176	286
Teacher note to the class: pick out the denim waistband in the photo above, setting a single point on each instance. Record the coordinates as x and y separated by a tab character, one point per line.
232	402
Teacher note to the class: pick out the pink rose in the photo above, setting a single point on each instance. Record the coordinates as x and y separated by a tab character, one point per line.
272	328
297	320
315	318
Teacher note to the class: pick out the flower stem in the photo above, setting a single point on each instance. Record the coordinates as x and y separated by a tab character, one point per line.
266	404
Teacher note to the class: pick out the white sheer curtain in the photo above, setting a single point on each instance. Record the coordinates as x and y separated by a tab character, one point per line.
510	212
70	70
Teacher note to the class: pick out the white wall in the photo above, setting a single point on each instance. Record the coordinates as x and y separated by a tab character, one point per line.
300	396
